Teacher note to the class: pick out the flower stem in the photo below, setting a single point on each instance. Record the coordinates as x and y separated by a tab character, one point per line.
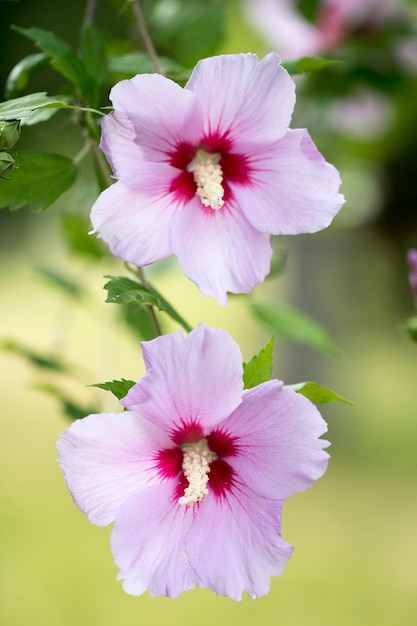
143	29
151	310
89	13
101	162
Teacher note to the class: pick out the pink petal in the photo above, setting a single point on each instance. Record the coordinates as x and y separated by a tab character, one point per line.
136	223
148	543
106	458
243	98
193	381
276	434
235	544
293	190
219	250
161	112
119	145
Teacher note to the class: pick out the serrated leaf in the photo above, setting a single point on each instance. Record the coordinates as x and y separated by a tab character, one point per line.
259	369
291	324
62	58
21	108
38	180
118	388
122	290
22	72
308	64
318	394
38	359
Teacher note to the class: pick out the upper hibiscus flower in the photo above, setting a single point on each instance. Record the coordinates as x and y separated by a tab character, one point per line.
194	474
208	172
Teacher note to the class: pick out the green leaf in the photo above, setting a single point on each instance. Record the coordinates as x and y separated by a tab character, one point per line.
122	290
118	388
291	324
259	369
22	72
318	394
411	328
21	108
132	63
308	64
42	361
93	54
72	410
76	233
138	319
39	179
70	287
63	59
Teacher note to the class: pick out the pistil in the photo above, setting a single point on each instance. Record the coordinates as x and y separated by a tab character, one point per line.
208	177
196	468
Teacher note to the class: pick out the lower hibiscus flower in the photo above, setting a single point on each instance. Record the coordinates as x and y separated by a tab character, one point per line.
195	472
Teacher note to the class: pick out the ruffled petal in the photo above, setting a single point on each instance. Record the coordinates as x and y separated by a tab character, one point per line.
148	543
275	433
292	188
219	250
235	543
106	458
193	381
242	98
162	114
118	142
136	223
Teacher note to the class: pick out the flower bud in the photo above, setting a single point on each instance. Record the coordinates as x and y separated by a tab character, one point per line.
7	164
412	274
9	134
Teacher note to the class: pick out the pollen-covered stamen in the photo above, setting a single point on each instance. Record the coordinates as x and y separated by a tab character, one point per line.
208	176
196	468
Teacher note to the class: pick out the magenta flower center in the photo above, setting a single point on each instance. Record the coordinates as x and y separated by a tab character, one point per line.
207	170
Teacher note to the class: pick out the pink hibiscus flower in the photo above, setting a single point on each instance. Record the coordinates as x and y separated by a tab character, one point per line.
208	172
194	474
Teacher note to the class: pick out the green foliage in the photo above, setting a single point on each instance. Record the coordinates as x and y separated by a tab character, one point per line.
259	369
132	63
9	134
61	57
306	65
57	279
411	328
93	55
123	290
72	410
39	179
22	72
7	164
21	108
76	233
318	394
118	388
291	324
138	319
186	30
39	360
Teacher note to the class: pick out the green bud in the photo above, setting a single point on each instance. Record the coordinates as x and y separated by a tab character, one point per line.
9	134
7	164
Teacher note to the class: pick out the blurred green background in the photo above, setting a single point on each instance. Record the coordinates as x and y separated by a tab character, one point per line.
355	531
